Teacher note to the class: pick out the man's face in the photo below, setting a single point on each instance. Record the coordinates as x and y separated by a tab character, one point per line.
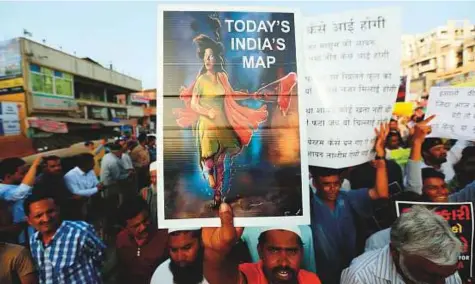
393	143
186	255
89	165
20	173
435	189
44	216
139	226
153	177
328	187
91	147
438	154
53	167
393	126
420	270
152	142
281	256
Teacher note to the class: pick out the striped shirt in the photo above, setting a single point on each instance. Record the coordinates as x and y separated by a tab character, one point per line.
377	267
74	255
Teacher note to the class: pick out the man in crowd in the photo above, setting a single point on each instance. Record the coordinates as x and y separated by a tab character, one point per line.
393	125
64	251
280	251
334	212
141	160
16	265
464	170
141	247
51	182
185	265
82	183
17	181
152	148
149	194
423	249
436	156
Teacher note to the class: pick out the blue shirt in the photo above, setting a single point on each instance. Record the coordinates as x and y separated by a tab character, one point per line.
16	194
251	237
112	169
334	232
74	255
81	183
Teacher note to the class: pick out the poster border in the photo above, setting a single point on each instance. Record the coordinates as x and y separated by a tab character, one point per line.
304	219
445	203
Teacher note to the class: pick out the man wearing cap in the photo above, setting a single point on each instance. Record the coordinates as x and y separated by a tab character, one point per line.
149	194
280	252
185	265
436	156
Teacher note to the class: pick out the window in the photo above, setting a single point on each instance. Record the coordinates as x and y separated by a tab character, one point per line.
51	82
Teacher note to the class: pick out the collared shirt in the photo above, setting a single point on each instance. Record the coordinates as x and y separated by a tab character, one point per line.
81	183
163	275
138	263
251	237
377	267
74	255
334	232
16	194
127	161
112	169
140	157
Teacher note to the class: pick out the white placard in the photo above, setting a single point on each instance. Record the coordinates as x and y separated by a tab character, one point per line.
9	119
455	112
352	64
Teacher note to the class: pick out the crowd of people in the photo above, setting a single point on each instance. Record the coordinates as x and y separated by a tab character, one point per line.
57	224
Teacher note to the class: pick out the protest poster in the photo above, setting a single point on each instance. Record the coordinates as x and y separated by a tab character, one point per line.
454	108
460	219
230	118
352	64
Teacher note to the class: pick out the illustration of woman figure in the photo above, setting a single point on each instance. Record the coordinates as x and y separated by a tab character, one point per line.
222	126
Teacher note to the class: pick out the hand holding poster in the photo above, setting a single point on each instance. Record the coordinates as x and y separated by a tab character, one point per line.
230	117
352	63
455	112
460	218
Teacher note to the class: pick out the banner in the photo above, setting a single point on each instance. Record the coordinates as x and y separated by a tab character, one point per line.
352	64
9	119
231	115
10	59
455	110
460	218
48	125
11	86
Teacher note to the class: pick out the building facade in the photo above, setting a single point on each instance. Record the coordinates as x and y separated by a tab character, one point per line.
442	56
51	99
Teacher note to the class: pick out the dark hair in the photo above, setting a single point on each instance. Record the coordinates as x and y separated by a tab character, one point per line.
152	138
142	137
431	173
131	208
467	153
196	234
204	42
84	159
262	239
429	143
394	134
392	120
88	143
114	146
35	198
9	166
364	175
51	158
324	172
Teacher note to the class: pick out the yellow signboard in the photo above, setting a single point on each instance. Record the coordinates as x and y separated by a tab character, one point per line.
403	109
11	83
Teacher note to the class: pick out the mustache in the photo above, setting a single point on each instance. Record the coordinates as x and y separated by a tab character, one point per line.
287	269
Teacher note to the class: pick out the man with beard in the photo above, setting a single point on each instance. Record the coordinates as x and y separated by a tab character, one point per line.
436	156
185	265
141	247
423	249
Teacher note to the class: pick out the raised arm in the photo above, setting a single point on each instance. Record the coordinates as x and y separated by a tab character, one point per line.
28	181
218	242
381	188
